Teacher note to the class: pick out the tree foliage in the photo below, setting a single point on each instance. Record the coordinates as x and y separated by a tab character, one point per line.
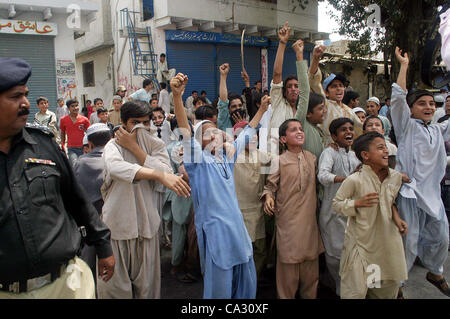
406	23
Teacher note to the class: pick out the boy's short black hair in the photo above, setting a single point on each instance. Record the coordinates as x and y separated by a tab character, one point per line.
134	109
71	101
286	80
314	100
101	110
194	92
362	143
162	54
232	96
157	109
204	112
41	98
146	82
97	99
202	92
350	95
163	85
60	99
199	98
284	126
337	123
99	138
372	117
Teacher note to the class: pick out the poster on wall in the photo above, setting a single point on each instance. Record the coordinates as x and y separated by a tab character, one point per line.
66	79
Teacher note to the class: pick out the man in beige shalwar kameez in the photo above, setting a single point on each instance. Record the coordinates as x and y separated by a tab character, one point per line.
299	244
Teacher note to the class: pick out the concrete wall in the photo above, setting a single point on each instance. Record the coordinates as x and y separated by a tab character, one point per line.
102	74
250	12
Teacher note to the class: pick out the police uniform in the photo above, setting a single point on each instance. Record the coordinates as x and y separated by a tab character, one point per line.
42	208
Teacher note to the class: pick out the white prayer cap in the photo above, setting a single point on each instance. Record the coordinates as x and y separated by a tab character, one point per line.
439	99
359	109
374	99
199	126
95	128
85	140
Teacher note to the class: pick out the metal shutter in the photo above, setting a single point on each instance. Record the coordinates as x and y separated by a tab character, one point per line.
232	54
197	61
39	52
289	67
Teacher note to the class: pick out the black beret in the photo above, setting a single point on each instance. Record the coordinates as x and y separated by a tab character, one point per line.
415	94
13	71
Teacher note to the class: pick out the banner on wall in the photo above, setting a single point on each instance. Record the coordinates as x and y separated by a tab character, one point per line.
66	79
264	70
28	27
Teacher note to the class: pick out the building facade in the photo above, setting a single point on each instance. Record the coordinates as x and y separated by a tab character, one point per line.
197	36
42	33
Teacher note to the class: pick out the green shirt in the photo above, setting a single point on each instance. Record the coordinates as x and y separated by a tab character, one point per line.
314	136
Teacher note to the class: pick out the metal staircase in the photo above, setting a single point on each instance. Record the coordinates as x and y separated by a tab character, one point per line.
144	60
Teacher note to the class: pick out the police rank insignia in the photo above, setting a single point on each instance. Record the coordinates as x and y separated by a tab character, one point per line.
40	161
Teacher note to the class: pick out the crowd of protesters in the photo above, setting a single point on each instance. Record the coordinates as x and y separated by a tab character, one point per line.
305	180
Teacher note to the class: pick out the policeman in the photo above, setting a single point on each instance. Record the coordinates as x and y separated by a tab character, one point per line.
42	207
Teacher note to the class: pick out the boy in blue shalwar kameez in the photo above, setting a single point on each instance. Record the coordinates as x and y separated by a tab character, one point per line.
421	155
224	245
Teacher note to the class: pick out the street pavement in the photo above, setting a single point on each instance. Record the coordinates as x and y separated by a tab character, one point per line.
417	287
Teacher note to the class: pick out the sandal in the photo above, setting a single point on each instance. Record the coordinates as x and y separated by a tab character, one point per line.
440	284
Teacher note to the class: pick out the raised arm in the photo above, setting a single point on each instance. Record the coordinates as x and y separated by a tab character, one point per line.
223	116
178	84
265	101
303	83
223	91
314	71
283	35
400	112
404	61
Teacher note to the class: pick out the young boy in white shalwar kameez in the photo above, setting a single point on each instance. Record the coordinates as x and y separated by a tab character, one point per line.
334	167
372	261
421	155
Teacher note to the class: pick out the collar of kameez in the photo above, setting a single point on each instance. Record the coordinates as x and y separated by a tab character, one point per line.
294	154
422	122
366	168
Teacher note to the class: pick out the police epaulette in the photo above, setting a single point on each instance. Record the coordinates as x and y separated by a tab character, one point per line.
40	128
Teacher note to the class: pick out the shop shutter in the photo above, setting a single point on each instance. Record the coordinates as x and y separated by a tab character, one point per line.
39	52
197	61
232	54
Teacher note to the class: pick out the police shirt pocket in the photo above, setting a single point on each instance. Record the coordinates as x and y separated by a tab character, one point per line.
43	184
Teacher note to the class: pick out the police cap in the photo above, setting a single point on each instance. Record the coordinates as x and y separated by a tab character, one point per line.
14	71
